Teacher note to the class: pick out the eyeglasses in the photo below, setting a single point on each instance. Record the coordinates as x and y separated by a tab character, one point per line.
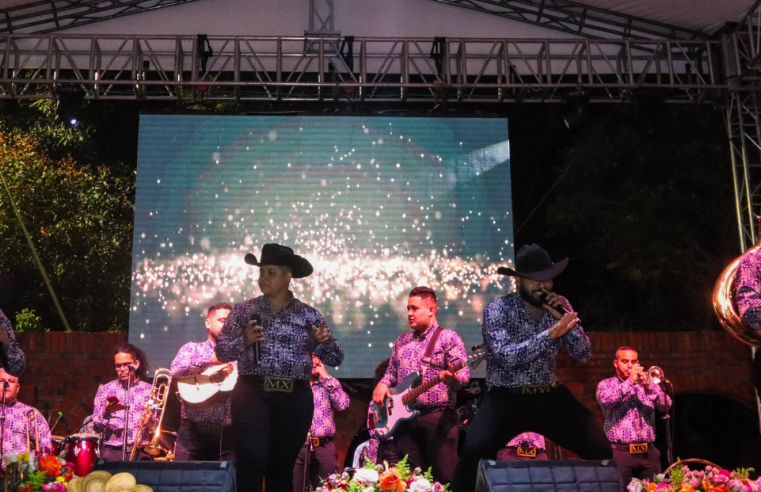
123	364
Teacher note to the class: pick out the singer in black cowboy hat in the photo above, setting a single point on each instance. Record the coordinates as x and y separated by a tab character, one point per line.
273	337
523	332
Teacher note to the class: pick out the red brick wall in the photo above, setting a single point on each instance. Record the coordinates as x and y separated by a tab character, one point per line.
64	370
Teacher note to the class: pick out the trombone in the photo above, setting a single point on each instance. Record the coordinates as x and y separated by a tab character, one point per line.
155	409
32	415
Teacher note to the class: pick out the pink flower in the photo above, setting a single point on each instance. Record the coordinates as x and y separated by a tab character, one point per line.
721	478
54	487
725	473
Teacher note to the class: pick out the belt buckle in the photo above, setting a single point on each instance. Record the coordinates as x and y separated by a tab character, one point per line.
638	448
526	452
315	441
212	429
278	385
535	389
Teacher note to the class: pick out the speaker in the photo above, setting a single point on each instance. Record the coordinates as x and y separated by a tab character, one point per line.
548	476
180	476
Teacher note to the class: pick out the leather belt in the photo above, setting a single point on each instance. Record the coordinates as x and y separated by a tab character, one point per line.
631	447
276	384
320	441
529	389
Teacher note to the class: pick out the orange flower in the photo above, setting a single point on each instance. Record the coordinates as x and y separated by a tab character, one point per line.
686	488
390	480
651	486
718	488
50	465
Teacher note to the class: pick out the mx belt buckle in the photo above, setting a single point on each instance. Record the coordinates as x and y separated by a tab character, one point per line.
638	448
276	384
526	452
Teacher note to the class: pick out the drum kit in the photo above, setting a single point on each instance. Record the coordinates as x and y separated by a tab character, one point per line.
82	449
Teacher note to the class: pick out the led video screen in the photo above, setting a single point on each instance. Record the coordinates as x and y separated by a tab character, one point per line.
378	205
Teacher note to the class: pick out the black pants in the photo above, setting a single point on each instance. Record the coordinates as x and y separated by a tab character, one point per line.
644	465
430	441
270	428
503	415
323	460
204	442
114	453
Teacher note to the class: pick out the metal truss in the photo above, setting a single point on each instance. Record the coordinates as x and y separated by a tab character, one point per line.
49	16
579	19
370	69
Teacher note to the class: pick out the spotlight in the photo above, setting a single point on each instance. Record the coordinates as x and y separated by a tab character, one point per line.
577	109
70	100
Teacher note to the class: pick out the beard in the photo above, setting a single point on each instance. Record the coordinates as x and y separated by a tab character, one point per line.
527	296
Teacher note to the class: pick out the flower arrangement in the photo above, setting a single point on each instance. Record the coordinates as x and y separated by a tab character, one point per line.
680	478
31	472
382	478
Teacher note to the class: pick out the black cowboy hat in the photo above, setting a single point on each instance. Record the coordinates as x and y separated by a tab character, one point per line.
534	263
277	254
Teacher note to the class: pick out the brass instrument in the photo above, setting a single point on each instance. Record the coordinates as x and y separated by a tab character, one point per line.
32	415
725	305
155	408
654	375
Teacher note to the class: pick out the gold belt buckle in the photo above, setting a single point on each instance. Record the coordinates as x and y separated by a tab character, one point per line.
638	448
276	384
526	452
535	389
315	442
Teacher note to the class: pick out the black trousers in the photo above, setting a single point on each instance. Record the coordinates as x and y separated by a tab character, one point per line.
322	461
270	428
644	465
430	441
204	442
503	415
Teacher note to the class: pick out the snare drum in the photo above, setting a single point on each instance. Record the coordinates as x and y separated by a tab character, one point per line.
56	445
82	450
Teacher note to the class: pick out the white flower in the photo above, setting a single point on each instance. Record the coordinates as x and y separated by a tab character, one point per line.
366	476
9	458
369	489
420	485
635	486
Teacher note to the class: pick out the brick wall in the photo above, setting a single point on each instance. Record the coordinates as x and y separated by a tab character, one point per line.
64	370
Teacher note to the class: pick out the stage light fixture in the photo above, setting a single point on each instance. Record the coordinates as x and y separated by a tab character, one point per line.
70	104
577	109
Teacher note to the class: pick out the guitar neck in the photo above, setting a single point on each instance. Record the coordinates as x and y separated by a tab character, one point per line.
415	393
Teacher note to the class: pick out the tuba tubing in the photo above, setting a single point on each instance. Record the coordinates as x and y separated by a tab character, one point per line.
156	405
725	303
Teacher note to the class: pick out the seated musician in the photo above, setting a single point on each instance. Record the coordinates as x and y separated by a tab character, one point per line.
205	432
131	366
431	439
528	446
25	428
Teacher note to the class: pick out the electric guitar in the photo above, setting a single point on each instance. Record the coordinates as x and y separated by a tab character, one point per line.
197	389
395	410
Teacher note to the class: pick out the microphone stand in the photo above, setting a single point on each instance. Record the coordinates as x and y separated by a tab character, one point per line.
2	421
667	420
126	414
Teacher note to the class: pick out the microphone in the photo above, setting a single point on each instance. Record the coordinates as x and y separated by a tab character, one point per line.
132	368
562	309
257	345
60	416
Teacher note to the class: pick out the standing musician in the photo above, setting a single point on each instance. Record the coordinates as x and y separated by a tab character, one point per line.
25	427
271	403
431	439
131	365
11	356
629	401
205	432
528	446
523	332
318	458
748	285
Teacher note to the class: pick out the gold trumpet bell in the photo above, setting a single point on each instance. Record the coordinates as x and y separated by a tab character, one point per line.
725	303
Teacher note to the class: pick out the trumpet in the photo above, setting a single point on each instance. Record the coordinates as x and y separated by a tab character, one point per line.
155	408
32	415
654	375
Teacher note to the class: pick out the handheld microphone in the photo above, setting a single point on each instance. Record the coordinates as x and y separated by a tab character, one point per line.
560	308
257	345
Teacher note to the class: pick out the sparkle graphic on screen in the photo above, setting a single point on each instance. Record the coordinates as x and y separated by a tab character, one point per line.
376	209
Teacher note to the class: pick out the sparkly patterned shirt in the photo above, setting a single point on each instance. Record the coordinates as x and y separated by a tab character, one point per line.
749	289
629	409
519	348
288	344
111	425
192	360
327	394
406	357
17	428
529	440
14	354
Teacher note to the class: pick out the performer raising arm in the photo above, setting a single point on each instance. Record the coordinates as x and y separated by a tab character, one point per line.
523	332
272	403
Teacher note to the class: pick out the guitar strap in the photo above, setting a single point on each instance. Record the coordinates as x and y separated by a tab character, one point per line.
425	362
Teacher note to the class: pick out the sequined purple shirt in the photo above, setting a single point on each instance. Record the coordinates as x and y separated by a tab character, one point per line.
192	360
519	348
629	409
111	425
406	358
328	394
288	344
17	427
749	289
528	439
16	359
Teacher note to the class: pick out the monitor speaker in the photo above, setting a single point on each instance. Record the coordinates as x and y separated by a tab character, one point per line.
180	476
548	476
